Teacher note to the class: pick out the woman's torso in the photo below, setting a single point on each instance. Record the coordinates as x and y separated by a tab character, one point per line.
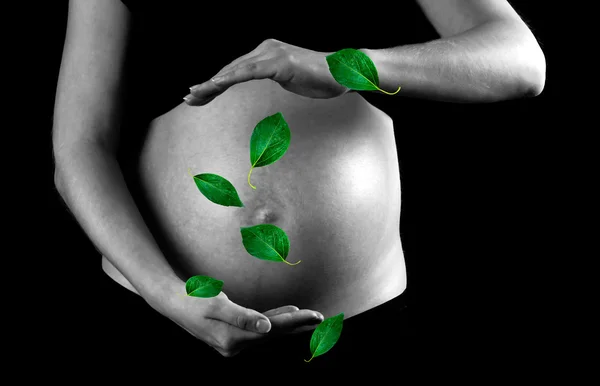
335	193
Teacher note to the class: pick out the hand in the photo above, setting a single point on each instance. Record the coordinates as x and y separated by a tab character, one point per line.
301	71
229	328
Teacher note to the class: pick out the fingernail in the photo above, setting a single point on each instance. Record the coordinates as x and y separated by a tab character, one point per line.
318	316
217	79
194	88
262	326
187	98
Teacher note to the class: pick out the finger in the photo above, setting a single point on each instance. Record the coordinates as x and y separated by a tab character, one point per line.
247	70
291	320
193	101
244	318
280	310
231	339
308	327
201	90
243	72
203	93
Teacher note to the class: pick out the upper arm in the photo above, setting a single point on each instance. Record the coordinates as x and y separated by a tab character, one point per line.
89	85
451	17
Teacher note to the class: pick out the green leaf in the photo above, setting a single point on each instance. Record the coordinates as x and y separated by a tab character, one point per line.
217	189
203	286
355	70
326	335
269	142
266	242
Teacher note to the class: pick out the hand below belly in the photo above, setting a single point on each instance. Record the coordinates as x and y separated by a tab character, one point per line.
335	193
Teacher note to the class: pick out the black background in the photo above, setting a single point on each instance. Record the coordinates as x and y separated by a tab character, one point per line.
471	176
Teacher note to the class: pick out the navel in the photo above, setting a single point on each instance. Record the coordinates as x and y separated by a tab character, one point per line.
264	216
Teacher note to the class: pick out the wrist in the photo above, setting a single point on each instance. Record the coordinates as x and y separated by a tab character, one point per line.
162	293
367	52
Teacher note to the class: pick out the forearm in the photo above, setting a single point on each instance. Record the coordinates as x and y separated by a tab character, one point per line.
494	61
91	183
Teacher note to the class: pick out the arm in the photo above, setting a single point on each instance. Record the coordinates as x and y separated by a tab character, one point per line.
486	53
85	140
88	177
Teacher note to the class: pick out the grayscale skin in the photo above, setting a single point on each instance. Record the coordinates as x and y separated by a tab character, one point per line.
336	192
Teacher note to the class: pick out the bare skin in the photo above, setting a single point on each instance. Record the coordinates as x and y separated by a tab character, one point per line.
336	194
352	258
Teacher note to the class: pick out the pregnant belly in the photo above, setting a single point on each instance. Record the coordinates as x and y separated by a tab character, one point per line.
335	193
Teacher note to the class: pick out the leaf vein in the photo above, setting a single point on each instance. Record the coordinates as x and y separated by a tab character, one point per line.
226	192
268	142
353	70
268	245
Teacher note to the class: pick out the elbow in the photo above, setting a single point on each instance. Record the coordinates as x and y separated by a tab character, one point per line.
533	89
61	167
523	68
537	86
530	67
59	182
534	75
524	78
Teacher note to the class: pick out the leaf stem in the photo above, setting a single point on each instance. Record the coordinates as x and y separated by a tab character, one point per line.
311	358
190	173
285	261
252	186
389	93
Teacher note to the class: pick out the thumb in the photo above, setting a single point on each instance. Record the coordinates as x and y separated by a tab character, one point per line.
241	317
